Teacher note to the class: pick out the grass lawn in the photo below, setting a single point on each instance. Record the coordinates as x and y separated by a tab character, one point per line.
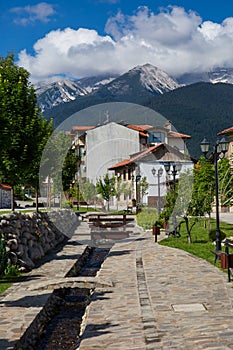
201	245
6	282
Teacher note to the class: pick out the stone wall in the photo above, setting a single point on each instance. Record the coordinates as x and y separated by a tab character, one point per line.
29	237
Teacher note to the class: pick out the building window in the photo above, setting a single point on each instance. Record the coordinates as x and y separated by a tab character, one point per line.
156	137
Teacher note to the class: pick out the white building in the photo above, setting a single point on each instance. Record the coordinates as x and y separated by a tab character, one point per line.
150	164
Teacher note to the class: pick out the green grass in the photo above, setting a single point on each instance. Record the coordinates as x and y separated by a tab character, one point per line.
147	217
201	245
6	282
10	276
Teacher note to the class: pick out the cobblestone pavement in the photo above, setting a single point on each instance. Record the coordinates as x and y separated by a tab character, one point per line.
157	298
163	298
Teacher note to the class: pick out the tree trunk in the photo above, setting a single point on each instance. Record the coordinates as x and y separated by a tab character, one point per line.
188	230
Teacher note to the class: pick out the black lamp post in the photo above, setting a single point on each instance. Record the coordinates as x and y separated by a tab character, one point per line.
159	174
173	168
137	180
176	167
220	147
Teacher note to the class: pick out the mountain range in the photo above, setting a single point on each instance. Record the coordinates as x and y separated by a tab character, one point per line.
199	104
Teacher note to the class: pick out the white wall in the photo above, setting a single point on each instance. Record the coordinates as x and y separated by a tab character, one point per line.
107	145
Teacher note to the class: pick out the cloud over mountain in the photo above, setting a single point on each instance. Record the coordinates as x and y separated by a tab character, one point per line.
173	40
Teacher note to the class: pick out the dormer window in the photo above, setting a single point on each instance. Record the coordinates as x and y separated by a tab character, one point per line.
157	137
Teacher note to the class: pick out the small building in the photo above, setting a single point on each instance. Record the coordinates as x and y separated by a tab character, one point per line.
150	164
5	196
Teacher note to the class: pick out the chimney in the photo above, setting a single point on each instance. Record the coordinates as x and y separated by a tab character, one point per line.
168	125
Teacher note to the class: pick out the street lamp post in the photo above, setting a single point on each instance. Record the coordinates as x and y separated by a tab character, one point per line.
159	174
137	180
175	169
220	147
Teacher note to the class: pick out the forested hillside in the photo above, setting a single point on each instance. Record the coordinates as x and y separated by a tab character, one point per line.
201	109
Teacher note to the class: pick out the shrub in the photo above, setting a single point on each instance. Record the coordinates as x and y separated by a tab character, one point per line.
12	271
212	235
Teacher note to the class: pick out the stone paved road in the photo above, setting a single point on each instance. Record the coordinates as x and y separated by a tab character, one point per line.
157	298
163	299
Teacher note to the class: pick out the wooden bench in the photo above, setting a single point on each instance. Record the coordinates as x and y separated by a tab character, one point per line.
110	227
175	231
229	244
100	219
80	203
226	257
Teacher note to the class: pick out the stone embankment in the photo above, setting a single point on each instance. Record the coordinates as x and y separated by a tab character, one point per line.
29	237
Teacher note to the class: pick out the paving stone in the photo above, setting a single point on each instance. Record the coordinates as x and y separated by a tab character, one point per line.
152	297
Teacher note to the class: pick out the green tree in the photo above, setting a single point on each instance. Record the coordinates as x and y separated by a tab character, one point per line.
225	182
122	187
204	188
20	123
69	168
178	205
58	164
87	190
106	188
43	132
143	186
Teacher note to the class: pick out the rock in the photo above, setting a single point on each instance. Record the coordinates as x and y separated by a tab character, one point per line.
13	258
13	244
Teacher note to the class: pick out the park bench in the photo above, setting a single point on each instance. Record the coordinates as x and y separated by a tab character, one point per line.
175	231
229	257
226	257
218	254
80	203
107	227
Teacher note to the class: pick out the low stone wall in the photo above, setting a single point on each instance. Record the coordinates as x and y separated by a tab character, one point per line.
29	237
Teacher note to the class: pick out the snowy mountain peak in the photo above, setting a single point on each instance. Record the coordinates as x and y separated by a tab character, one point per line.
221	75
154	79
67	90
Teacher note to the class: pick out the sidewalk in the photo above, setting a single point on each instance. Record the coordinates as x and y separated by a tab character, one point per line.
226	217
156	298
163	298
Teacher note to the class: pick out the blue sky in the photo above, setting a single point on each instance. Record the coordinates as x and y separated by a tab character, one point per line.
56	39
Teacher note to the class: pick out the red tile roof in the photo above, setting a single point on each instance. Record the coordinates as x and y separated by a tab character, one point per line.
135	157
83	127
139	127
226	131
6	187
178	135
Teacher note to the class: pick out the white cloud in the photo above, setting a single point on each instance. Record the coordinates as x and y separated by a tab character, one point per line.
173	40
29	14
